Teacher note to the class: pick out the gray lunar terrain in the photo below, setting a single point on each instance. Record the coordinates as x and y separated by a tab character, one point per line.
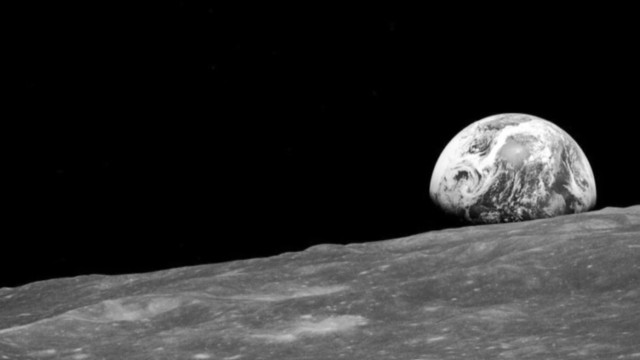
561	288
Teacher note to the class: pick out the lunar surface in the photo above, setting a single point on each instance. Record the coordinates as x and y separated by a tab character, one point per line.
566	287
512	167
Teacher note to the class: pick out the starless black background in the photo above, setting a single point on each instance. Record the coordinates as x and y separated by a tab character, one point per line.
145	138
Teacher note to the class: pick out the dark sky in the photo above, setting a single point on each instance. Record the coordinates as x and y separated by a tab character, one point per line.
142	139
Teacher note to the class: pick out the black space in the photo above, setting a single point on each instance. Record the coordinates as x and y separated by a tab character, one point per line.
141	139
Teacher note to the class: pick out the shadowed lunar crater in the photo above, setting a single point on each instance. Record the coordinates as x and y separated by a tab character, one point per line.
567	287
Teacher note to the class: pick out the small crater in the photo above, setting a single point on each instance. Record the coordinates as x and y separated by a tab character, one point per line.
325	326
125	310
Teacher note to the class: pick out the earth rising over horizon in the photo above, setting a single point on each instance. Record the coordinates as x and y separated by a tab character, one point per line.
512	167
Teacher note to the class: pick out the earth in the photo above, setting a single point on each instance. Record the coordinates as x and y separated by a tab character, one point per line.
512	167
